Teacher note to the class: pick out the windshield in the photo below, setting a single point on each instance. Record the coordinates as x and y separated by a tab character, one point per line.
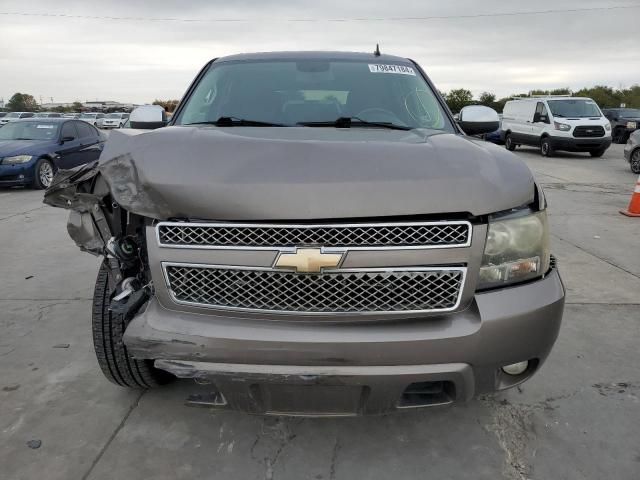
629	113
113	115
88	115
29	131
13	115
295	92
574	108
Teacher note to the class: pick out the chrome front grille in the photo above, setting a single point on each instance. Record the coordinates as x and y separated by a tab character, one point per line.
269	236
420	289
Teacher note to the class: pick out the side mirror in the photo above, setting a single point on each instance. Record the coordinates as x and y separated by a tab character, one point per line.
148	117
477	119
67	139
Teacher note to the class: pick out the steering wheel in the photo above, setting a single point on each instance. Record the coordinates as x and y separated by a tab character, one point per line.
385	113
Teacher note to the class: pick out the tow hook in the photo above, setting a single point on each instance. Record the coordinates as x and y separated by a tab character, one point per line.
128	286
131	297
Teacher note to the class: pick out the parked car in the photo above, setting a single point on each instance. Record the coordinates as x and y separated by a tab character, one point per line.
624	121
13	116
115	120
632	151
330	241
72	115
573	124
496	136
94	119
48	115
32	150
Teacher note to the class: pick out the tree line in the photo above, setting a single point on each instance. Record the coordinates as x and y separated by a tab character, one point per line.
605	97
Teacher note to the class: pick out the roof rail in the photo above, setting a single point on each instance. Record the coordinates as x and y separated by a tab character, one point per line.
539	96
550	96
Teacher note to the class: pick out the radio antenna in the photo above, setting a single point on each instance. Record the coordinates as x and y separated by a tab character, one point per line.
377	52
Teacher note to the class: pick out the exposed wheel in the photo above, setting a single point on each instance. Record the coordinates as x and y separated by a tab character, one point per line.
597	153
114	360
508	143
546	149
635	161
43	174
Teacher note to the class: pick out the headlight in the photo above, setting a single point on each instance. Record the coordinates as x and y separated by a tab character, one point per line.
16	159
517	250
562	126
607	127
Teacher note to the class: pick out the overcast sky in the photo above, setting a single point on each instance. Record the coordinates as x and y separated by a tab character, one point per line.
140	60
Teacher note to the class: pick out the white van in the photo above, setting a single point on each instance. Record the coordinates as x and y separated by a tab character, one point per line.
573	124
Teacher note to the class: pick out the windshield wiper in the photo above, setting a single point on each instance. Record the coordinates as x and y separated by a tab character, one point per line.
237	122
348	122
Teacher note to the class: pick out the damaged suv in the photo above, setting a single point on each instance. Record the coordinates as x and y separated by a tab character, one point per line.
314	234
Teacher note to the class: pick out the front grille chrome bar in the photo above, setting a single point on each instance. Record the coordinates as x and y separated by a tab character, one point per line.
351	236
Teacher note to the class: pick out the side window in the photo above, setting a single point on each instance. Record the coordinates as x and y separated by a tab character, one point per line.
86	130
544	113
539	108
541	113
68	130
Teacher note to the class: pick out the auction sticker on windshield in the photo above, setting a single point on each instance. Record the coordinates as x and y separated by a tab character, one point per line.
399	69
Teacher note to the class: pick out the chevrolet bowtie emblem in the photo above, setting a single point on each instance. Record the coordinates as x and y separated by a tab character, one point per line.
308	260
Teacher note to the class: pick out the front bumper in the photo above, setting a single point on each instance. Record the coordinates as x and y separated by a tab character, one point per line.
14	175
576	144
285	367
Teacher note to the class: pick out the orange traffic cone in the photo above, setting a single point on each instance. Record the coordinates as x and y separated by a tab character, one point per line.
634	205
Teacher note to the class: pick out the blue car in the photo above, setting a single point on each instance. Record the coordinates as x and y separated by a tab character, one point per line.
32	150
496	137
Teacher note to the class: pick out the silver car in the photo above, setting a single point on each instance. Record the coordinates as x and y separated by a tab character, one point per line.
632	151
314	234
48	115
115	120
13	116
94	119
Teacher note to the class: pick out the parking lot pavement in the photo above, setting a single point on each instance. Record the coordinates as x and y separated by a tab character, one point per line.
579	418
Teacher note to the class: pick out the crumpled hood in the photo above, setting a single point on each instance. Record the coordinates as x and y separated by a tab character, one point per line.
242	173
10	148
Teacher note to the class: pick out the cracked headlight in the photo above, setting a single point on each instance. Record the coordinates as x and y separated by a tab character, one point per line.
16	159
517	250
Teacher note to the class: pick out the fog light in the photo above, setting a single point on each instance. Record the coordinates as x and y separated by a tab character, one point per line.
515	368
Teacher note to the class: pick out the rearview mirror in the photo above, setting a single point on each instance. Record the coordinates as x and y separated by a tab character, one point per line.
477	119
148	117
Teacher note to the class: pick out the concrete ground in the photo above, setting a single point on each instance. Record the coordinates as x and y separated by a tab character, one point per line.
579	418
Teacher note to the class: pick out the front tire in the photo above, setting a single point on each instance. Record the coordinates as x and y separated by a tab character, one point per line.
635	161
114	359
546	149
508	143
43	174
